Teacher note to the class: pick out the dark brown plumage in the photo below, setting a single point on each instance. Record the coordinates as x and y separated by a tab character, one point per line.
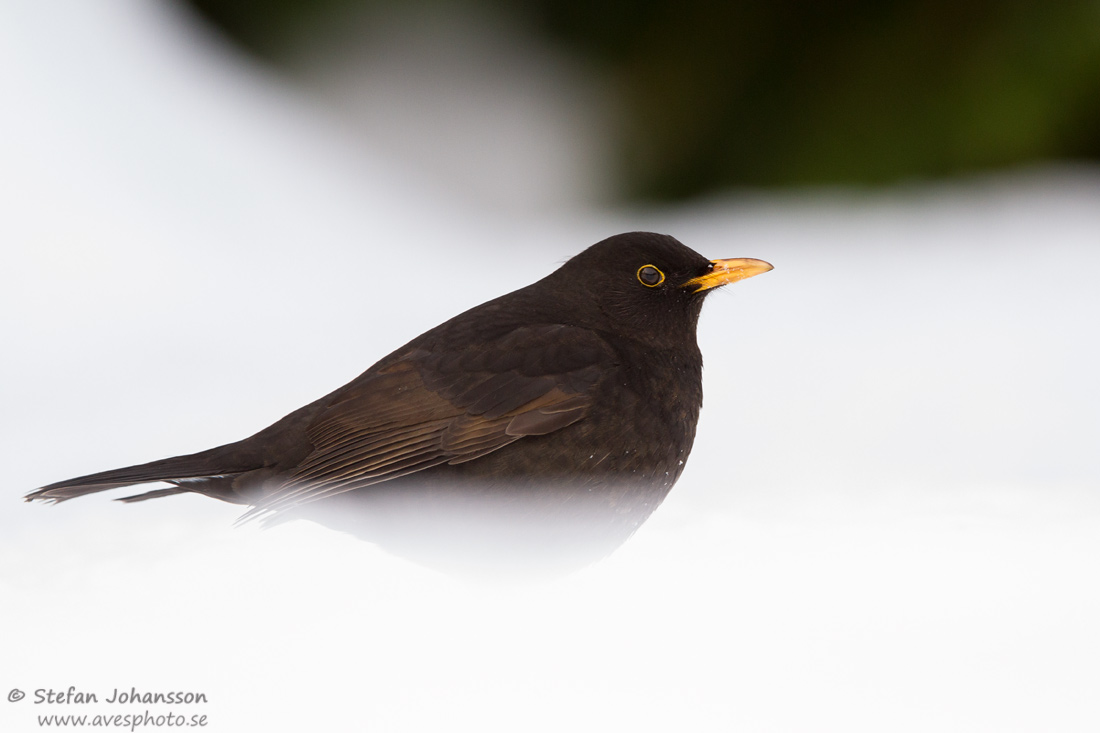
577	394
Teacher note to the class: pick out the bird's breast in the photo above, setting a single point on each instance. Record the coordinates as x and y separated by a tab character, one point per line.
638	433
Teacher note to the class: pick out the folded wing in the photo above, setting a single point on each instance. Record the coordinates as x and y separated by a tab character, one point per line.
446	406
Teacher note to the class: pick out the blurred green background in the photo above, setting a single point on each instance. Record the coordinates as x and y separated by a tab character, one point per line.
774	93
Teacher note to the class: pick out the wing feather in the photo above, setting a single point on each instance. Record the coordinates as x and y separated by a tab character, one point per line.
427	408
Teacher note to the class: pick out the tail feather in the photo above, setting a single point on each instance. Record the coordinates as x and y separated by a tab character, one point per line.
206	464
154	494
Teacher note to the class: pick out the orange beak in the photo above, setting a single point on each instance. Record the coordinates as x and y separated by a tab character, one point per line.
724	272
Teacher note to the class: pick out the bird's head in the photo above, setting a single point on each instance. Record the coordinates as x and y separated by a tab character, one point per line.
645	286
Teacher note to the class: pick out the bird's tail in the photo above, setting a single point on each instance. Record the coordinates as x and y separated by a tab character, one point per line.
195	469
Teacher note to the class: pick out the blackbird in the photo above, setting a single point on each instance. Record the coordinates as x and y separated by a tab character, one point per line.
570	402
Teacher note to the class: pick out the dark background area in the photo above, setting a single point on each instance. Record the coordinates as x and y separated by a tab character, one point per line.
758	93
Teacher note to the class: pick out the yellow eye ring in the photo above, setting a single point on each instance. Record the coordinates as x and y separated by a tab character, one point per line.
650	276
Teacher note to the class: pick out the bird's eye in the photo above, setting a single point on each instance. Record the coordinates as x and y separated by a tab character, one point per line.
650	276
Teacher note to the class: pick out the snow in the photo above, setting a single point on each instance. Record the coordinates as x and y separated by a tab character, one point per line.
889	521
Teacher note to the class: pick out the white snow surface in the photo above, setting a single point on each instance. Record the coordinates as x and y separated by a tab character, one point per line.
890	521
